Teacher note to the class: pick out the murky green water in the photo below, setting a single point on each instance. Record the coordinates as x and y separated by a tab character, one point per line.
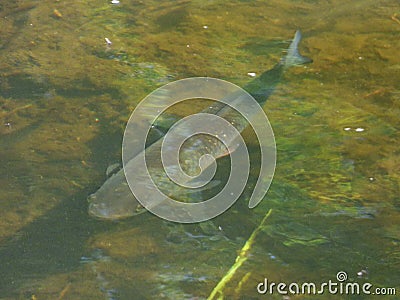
65	97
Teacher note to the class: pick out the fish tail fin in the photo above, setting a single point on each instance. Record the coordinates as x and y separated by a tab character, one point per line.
293	57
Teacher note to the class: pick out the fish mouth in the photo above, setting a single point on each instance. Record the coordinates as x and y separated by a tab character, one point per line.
91	198
99	211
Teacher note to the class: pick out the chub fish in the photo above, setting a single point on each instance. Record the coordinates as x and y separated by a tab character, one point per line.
114	199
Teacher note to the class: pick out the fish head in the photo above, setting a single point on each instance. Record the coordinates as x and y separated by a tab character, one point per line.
114	200
107	210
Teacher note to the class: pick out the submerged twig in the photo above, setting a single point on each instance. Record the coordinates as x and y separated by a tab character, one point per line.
64	291
394	18
374	93
8	113
240	259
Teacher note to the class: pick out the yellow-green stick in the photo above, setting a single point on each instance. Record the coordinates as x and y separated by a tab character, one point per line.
240	259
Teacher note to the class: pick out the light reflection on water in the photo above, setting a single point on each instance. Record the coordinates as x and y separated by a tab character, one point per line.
65	96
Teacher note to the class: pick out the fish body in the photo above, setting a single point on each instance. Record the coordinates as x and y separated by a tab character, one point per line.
114	199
